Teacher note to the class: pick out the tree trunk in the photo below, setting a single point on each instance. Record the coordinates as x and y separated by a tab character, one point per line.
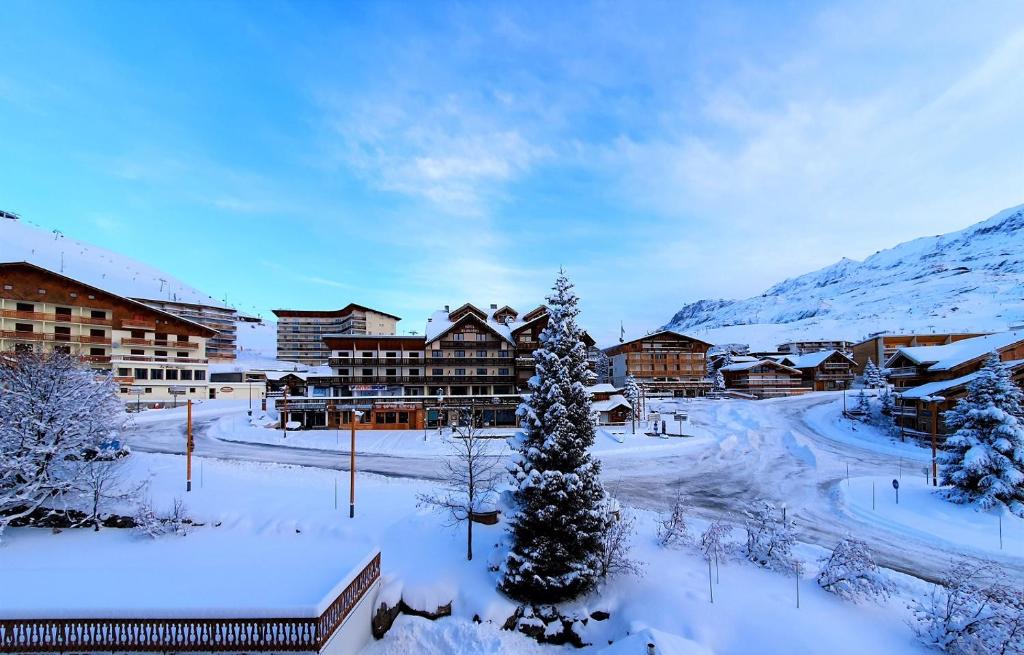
469	538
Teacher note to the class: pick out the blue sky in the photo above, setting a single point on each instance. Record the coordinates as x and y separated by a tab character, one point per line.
408	155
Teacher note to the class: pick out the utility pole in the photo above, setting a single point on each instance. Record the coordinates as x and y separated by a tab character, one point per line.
189	446
284	413
352	467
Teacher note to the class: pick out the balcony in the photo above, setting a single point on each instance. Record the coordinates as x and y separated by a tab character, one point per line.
471	345
96	359
902	372
55	318
138	324
50	336
834	376
124	379
150	358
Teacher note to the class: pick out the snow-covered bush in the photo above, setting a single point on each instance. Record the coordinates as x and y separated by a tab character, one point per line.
851	573
672	530
973	612
149	523
713	542
55	413
561	514
983	457
770	537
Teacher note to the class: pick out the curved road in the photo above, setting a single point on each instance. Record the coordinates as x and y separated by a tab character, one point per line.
769	452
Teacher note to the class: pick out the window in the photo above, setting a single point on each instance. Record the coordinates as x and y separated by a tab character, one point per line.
367	371
459	336
62	349
149	389
97	313
141	374
414	355
191	389
200	375
156	374
392	355
481	371
391	371
436	353
380	418
343	371
160	353
124	372
62	333
138	334
460	371
481	336
460	353
172	374
96	351
138	351
367	354
96	332
502	371
26	307
63	311
22	327
403	417
414	371
481	353
437	371
186	374
181	354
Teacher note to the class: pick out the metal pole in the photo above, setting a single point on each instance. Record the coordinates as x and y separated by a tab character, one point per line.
711	588
872	495
352	469
188	449
284	414
935	429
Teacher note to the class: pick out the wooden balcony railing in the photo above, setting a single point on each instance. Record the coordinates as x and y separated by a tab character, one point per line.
56	318
153	358
187	635
50	336
138	323
901	372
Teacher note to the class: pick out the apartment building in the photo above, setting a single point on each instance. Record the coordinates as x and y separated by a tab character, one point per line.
468	358
930	379
664	361
802	347
156	358
300	332
880	347
222	347
825	370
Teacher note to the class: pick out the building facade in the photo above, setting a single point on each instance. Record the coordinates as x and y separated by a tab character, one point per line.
764	378
826	370
221	347
300	332
156	358
880	347
664	361
802	347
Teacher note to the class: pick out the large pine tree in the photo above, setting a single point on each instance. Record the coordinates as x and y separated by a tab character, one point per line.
983	458
562	511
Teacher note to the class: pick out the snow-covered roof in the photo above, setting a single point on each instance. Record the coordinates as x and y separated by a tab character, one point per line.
811	360
951	355
441	323
610	404
277	375
942	386
746	366
601	388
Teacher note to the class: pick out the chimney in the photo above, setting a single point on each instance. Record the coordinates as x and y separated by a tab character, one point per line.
447	308
494	305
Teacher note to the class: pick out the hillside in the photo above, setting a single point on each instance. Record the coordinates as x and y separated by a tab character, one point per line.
972	279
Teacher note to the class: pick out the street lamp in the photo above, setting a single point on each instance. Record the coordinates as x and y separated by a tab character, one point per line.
352	466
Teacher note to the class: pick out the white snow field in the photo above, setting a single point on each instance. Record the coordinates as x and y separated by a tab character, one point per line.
278	536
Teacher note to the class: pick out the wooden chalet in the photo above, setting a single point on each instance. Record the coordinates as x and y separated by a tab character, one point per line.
764	378
665	361
826	370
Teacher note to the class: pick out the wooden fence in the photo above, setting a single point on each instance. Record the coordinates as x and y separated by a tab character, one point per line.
187	635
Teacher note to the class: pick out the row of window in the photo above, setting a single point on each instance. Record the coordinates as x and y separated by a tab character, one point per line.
162	374
413	372
60	311
436	354
150	390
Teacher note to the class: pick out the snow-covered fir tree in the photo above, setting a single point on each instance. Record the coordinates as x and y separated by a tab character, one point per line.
561	510
850	572
631	392
603	367
55	415
872	375
886	401
863	404
718	381
983	457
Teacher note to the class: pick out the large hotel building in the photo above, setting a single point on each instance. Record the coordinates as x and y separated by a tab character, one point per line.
468	358
156	358
665	361
300	332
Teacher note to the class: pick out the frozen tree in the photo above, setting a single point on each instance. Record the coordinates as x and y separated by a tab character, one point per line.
972	612
712	542
850	572
471	475
631	392
872	376
863	404
672	530
718	381
561	510
55	413
603	367
886	401
983	457
616	542
770	537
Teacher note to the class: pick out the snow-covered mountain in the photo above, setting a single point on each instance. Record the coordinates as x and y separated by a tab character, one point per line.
968	280
23	241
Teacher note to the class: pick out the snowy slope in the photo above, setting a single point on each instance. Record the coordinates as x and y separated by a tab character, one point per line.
970	280
20	241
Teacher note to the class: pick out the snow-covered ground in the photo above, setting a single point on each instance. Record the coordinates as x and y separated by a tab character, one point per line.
794	451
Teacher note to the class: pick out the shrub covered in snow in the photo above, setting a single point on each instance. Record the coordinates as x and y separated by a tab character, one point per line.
55	415
149	523
973	612
850	572
770	537
983	457
672	529
561	513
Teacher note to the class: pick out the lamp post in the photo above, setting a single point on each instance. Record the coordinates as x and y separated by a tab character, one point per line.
249	384
352	466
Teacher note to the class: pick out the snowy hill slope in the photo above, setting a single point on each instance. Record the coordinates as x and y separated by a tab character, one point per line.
20	241
970	280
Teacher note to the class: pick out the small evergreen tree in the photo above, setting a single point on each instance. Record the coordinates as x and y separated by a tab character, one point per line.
718	381
863	404
872	376
632	394
886	401
983	458
561	513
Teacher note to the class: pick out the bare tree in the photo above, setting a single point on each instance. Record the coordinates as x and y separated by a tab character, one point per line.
616	545
102	483
672	529
55	413
472	471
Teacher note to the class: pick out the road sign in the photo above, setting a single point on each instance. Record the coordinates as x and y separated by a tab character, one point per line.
680	416
895	484
176	391
137	390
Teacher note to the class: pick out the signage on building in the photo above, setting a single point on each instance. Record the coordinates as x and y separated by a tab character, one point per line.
137	390
680	416
275	394
227	389
401	406
369	387
176	391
